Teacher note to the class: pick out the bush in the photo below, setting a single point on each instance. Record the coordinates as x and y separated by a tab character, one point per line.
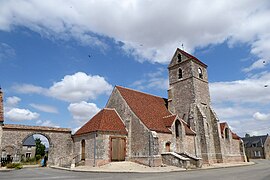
14	165
38	157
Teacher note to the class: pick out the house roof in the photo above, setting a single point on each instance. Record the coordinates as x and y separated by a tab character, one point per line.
222	127
148	108
255	140
30	141
151	110
106	120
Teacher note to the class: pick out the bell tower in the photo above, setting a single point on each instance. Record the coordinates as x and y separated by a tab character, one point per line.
189	98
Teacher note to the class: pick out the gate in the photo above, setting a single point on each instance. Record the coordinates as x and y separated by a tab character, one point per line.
118	149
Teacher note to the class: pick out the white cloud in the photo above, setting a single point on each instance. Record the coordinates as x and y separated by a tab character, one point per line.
79	86
72	88
16	114
83	111
254	89
6	52
12	101
150	30
153	80
45	108
47	123
261	116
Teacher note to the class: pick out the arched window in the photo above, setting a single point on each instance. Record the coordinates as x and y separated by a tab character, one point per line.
200	73
227	133
179	58
168	146
180	73
83	150
177	128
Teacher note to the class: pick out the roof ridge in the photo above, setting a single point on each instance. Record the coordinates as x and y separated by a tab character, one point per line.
139	91
191	56
169	116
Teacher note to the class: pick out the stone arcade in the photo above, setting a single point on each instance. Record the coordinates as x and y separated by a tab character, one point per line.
181	130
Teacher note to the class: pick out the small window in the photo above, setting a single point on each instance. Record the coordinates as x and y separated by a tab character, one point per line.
180	73
257	153
168	146
200	73
177	128
179	58
227	133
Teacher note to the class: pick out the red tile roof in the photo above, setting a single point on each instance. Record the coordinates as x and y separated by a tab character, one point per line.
106	120
188	130
222	127
151	110
148	108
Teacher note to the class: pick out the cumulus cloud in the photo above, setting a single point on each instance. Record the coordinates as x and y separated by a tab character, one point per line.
12	101
83	111
261	116
72	88
45	108
16	114
148	30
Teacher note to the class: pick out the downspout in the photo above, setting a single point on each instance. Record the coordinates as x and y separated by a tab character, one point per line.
95	147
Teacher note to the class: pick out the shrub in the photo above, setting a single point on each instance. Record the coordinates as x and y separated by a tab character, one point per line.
14	165
38	157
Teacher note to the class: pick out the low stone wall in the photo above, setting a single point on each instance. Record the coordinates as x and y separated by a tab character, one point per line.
148	161
171	160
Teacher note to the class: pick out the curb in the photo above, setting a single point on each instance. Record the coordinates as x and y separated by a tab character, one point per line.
180	170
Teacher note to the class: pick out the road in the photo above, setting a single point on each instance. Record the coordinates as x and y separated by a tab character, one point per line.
259	171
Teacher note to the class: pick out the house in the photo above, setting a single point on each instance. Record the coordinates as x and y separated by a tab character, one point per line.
181	130
29	148
257	147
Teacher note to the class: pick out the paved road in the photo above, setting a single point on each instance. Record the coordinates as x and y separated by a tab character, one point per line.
259	171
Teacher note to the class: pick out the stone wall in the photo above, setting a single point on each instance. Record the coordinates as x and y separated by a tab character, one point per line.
141	142
59	139
101	141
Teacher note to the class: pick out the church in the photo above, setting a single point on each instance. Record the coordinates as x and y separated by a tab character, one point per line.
181	130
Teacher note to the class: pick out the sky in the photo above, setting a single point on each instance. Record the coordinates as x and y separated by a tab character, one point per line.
60	59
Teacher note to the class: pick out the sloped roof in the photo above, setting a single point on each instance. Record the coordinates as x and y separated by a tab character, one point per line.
148	108
151	110
258	140
105	120
30	141
189	56
222	127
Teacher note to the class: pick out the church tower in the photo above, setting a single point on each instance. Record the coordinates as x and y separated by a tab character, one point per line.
189	98
1	108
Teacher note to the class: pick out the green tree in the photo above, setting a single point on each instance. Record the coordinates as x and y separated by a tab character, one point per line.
40	148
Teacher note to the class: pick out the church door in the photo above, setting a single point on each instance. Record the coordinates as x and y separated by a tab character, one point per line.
118	149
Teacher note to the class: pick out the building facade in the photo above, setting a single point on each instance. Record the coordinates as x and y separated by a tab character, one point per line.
257	147
181	130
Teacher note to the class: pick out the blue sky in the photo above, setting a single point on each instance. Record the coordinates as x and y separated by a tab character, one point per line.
59	60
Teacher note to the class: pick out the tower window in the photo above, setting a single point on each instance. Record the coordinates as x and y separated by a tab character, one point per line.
227	133
179	58
200	73
180	73
177	128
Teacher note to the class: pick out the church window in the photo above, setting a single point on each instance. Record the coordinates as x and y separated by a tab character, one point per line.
179	58
200	73
227	133
180	73
168	146
177	128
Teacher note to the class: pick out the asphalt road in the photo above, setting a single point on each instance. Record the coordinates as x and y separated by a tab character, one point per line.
259	171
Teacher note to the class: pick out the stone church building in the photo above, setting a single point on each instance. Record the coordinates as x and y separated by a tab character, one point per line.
181	130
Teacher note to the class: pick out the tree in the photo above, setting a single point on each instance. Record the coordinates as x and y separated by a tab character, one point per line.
247	135
40	148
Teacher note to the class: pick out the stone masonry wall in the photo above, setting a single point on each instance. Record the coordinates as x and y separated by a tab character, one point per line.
140	140
60	142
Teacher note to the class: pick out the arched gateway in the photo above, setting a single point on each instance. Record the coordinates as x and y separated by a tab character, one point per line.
13	136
